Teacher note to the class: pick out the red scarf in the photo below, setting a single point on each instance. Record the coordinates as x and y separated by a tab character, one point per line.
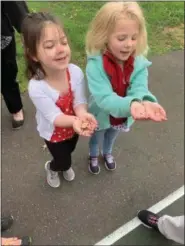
119	79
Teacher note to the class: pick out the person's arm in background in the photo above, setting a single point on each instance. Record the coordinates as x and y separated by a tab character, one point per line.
16	11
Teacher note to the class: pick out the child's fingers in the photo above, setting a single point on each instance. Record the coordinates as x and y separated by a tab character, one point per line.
154	112
93	119
163	112
156	117
160	114
93	122
90	118
78	130
88	125
89	131
86	134
152	115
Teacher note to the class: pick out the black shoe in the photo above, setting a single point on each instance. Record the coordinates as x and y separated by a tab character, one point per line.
26	241
110	163
16	124
94	165
6	222
148	219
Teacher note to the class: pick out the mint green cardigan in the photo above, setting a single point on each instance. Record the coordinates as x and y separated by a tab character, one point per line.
104	102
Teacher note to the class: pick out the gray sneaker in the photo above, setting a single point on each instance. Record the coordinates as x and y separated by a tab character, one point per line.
52	176
69	175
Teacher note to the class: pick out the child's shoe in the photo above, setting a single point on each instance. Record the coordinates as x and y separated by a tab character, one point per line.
52	176
69	175
94	165
110	163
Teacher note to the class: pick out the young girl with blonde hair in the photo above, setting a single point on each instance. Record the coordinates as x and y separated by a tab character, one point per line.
117	75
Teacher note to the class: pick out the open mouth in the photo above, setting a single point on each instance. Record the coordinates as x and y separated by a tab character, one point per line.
61	58
125	53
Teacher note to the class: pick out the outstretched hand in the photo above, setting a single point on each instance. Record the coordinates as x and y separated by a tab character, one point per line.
89	118
148	111
85	125
138	111
154	111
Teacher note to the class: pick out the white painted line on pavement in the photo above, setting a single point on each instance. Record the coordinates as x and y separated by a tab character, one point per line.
135	222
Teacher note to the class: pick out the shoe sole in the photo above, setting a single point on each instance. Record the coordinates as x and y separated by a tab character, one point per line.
16	128
46	165
46	169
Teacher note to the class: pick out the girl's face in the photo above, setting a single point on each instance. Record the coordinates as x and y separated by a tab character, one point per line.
53	51
123	40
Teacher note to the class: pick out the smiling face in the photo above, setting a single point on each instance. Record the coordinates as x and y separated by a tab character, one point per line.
122	41
53	51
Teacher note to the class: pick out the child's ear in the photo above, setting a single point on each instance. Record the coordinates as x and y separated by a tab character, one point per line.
34	58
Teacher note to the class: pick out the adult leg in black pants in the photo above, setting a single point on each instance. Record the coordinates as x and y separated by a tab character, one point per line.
9	85
12	15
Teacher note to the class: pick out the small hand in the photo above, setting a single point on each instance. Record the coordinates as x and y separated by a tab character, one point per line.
154	111
138	111
82	128
87	117
77	125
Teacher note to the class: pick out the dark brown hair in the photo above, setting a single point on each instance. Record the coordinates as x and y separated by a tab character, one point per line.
32	27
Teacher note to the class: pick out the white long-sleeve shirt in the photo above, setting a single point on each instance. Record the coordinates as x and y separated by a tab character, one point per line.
44	98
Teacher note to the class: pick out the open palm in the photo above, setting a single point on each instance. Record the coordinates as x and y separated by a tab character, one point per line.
154	111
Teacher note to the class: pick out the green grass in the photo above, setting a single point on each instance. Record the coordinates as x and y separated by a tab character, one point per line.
164	24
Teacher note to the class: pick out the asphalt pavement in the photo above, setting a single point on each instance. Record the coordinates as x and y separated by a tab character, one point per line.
150	165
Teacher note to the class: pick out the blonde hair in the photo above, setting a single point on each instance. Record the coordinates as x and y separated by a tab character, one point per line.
104	22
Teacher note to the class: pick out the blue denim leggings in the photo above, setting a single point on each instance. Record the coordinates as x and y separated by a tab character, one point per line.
103	138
